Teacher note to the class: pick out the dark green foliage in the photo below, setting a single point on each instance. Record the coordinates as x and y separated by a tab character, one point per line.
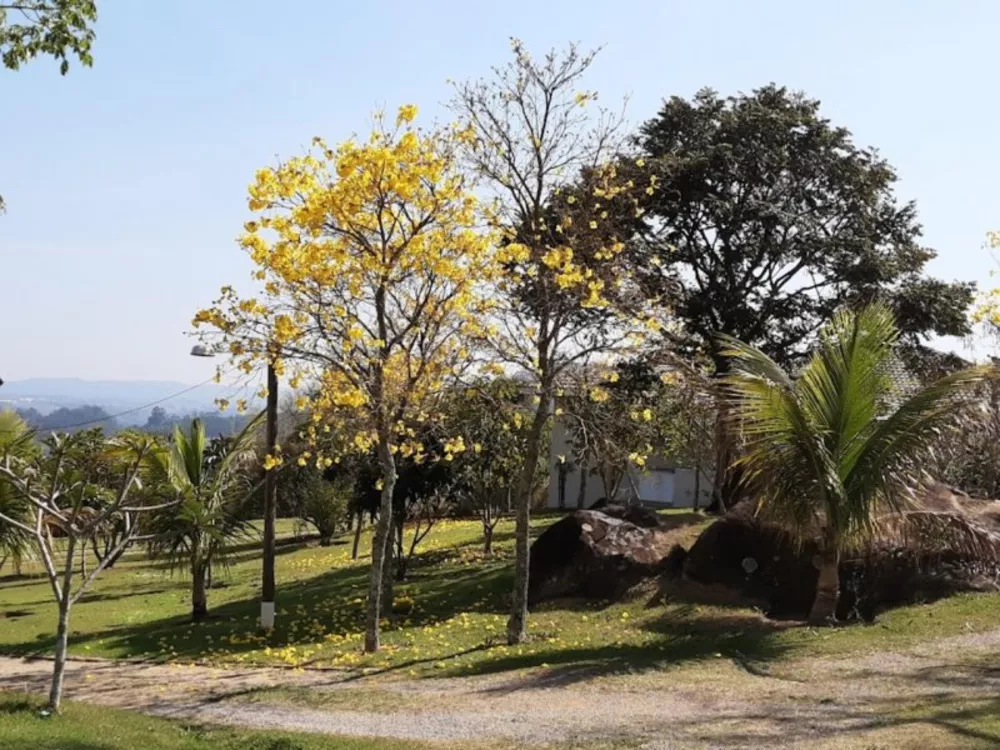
767	218
304	492
47	27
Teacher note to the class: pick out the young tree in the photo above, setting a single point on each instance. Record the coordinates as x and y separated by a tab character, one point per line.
371	261
489	415
57	484
827	451
770	218
211	484
546	160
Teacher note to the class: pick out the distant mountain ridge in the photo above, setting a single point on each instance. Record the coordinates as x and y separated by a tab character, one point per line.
114	396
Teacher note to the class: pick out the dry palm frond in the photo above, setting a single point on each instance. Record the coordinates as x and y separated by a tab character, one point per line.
930	532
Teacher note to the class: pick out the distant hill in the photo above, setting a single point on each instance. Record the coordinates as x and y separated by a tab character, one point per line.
47	395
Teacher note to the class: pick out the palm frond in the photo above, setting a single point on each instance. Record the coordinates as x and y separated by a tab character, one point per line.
820	449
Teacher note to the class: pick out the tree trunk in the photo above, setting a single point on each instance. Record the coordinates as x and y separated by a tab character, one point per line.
726	492
65	601
59	664
824	608
517	624
83	560
487	539
697	484
357	534
380	543
199	598
581	491
389	570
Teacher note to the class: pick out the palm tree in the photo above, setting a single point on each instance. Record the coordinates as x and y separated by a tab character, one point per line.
213	485
15	441
827	451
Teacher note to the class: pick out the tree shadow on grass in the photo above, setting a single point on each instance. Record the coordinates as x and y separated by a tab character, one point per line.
678	639
335	598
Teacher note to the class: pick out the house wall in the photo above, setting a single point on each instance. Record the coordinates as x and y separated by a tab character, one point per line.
661	484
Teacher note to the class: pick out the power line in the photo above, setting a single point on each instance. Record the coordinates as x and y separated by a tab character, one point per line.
134	409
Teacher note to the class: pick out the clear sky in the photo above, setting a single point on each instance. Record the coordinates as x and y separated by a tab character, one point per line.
125	183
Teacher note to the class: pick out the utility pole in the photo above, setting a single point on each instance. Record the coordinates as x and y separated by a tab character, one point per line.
270	503
270	489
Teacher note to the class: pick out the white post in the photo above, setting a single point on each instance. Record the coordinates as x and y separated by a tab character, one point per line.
267	615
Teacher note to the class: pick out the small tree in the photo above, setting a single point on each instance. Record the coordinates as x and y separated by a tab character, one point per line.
324	503
57	484
489	414
211	484
371	262
557	194
827	451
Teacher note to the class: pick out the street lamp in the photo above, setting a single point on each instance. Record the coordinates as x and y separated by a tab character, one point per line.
270	491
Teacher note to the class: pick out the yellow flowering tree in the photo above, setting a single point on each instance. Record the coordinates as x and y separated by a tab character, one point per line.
564	297
370	265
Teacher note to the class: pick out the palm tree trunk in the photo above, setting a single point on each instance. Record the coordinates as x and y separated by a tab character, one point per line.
824	608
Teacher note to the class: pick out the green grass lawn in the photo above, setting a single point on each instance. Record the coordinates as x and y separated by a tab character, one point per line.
82	727
450	620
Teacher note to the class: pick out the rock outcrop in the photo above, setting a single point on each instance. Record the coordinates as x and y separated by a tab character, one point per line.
943	545
594	554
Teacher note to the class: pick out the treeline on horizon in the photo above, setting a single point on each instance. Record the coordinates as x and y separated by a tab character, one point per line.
160	422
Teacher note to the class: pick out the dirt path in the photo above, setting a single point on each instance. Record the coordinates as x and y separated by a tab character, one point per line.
923	698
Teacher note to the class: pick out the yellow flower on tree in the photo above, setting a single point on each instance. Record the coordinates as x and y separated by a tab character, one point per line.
373	271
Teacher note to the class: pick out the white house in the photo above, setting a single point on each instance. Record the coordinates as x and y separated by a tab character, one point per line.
658	484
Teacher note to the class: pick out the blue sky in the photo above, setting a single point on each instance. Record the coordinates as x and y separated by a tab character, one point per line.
125	183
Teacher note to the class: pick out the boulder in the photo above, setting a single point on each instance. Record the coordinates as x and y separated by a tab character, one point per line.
640	516
594	554
764	565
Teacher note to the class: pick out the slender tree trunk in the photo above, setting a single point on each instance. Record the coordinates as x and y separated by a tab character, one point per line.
389	570
59	664
380	543
581	491
2	561
697	484
199	597
824	608
517	625
62	631
726	492
357	534
487	540
83	560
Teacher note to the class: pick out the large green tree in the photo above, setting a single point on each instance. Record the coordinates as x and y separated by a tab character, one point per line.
829	451
768	218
